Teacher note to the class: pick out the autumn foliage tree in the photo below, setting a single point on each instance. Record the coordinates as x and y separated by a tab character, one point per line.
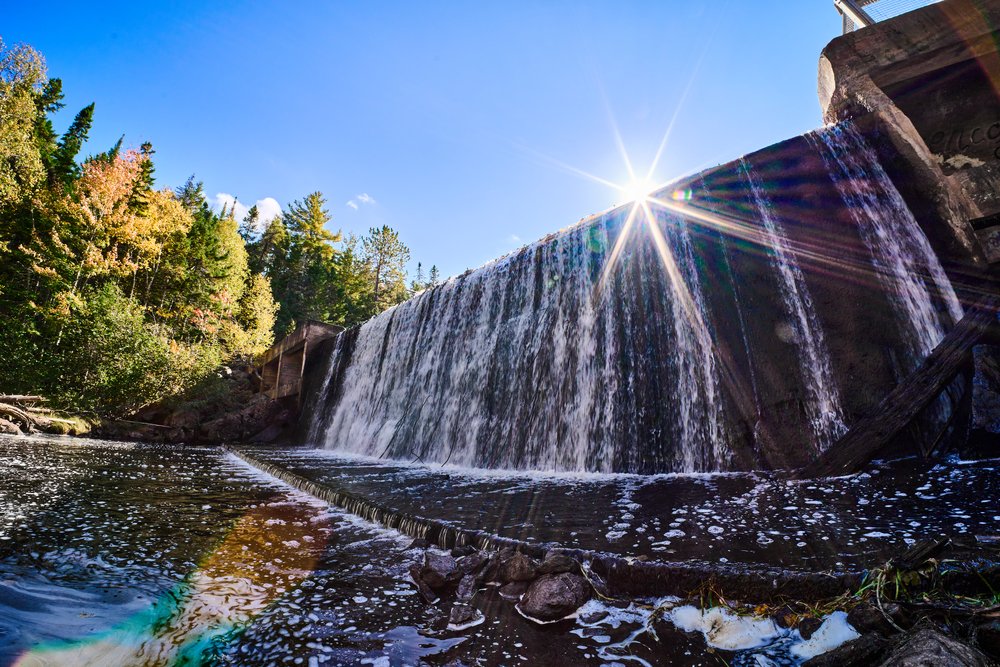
115	293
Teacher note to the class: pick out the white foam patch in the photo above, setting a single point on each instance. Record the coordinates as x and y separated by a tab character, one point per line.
465	626
725	630
834	632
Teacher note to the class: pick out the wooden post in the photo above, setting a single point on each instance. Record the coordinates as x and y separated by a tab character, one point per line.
277	377
302	373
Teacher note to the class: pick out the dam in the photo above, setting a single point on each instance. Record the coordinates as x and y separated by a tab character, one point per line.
742	318
750	417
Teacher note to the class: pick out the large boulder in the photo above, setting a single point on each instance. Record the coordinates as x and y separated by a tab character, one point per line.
440	571
926	646
518	568
554	596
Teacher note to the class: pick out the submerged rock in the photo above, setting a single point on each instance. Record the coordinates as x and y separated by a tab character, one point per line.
514	590
554	596
927	646
463	615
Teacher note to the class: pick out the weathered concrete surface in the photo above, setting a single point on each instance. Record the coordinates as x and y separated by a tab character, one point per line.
984	430
933	77
283	365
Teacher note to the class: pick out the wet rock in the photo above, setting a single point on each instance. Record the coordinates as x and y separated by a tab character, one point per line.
598	584
514	590
491	569
866	618
594	617
988	639
518	568
808	625
474	563
463	615
440	571
556	563
554	596
8	427
863	650
927	646
467	587
419	543
785	617
464	550
426	594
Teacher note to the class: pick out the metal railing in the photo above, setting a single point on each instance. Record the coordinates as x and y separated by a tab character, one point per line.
862	13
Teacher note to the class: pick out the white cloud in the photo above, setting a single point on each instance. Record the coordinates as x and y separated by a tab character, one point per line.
363	198
226	200
514	238
268	208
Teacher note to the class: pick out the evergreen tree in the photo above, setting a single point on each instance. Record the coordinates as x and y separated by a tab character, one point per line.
418	282
435	277
386	257
64	168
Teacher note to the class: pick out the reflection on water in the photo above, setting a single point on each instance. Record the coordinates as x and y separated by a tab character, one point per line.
755	518
146	555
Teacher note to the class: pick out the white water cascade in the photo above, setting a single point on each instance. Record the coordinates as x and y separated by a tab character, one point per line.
522	363
909	270
823	406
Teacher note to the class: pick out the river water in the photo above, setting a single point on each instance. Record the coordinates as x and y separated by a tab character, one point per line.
116	553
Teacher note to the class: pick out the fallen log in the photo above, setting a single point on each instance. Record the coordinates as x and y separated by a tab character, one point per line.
868	436
18	416
21	398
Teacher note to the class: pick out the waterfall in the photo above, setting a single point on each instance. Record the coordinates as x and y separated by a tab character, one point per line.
631	341
823	406
908	269
534	362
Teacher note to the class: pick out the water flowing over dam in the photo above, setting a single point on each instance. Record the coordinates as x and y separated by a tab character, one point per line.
738	319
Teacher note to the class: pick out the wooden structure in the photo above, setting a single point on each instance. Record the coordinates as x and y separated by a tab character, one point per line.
870	435
282	366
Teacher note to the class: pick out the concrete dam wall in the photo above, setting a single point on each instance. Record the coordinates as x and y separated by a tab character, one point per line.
739	319
742	318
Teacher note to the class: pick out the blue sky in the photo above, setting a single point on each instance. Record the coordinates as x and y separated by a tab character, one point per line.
456	120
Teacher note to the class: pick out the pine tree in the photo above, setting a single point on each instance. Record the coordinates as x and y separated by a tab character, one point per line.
418	282
386	257
64	168
435	277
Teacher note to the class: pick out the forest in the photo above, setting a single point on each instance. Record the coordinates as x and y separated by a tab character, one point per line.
116	292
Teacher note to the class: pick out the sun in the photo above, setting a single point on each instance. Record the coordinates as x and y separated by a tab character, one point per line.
638	190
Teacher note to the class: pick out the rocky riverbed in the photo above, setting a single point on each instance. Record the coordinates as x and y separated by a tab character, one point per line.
124	553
